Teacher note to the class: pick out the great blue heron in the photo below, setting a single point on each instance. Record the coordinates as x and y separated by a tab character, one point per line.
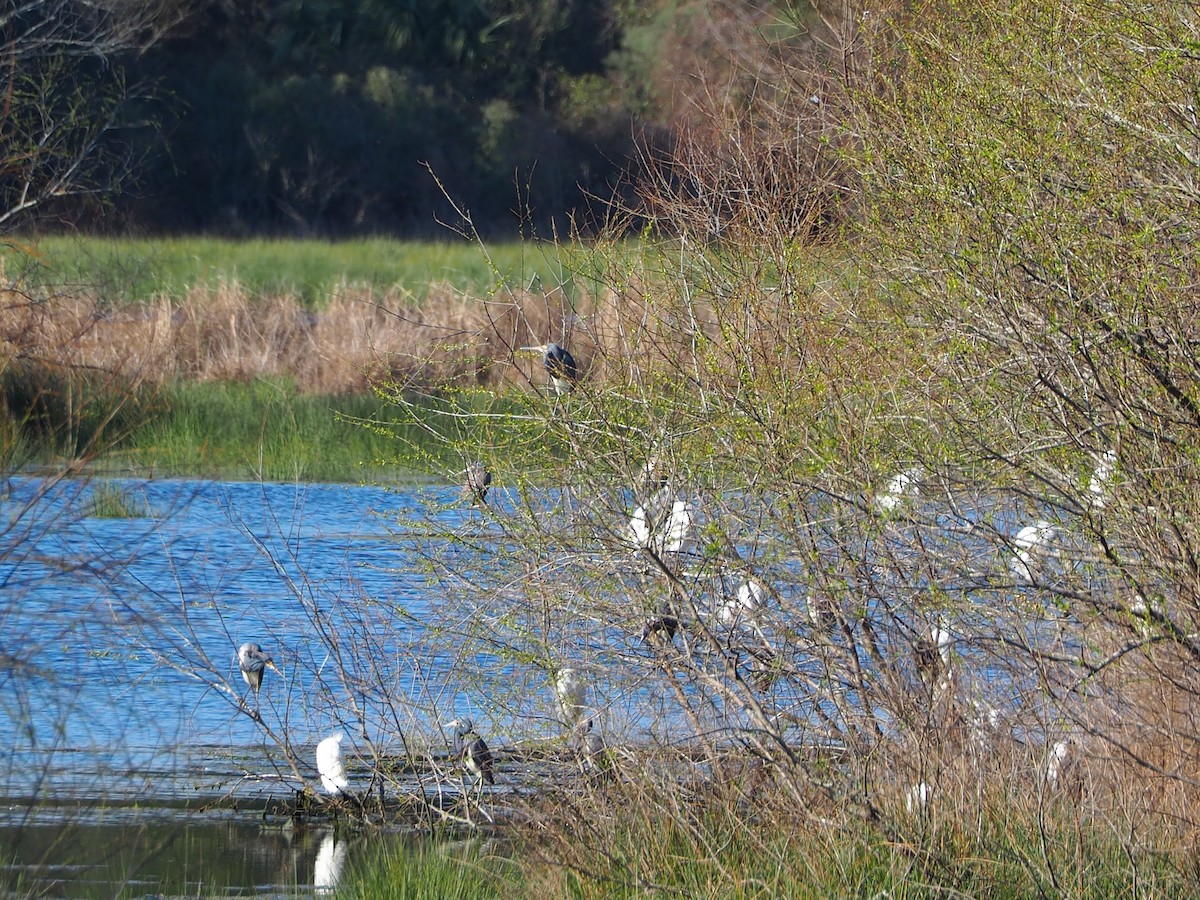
253	662
571	692
560	365
477	481
475	755
330	767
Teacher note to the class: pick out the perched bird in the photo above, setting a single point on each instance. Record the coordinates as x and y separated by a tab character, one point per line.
1060	762
663	524
903	486
253	662
330	767
1029	545
589	747
751	596
560	364
659	632
478	480
571	691
475	755
917	799
932	656
1101	478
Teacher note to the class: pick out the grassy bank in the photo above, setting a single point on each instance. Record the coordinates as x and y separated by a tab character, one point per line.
139	270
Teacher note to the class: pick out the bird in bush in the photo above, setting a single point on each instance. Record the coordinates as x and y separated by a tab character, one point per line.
659	632
589	747
478	480
475	755
560	364
571	691
330	766
1029	546
253	662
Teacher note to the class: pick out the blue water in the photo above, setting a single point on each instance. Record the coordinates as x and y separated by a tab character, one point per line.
119	635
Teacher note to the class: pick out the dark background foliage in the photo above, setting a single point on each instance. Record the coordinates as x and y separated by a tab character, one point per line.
333	117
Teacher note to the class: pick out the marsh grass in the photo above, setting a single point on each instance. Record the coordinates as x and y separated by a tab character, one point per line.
436	871
626	841
109	501
267	430
129	270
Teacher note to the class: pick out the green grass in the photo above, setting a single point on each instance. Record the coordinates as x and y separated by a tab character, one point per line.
108	501
133	270
424	871
262	431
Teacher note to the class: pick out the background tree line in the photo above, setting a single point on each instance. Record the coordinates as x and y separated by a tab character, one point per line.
341	117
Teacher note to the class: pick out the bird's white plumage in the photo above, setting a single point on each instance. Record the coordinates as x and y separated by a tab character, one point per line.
917	798
1029	545
1057	761
751	597
1100	482
655	527
571	691
901	487
330	766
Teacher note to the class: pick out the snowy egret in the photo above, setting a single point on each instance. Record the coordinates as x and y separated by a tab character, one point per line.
1029	546
475	755
751	597
664	524
330	766
1060	762
478	480
253	662
917	799
1101	479
571	691
560	364
902	487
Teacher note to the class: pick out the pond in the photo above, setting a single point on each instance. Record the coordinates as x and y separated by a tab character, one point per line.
120	694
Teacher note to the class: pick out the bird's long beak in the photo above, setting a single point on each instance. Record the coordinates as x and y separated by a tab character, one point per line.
451	724
274	668
541	349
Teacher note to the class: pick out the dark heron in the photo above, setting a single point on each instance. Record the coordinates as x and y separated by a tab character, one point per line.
478	480
253	663
589	747
659	632
475	755
559	362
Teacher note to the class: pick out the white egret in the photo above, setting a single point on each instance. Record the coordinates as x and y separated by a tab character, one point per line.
751	597
330	766
1029	546
917	798
902	487
664	528
253	662
1060	761
571	691
1099	483
474	755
